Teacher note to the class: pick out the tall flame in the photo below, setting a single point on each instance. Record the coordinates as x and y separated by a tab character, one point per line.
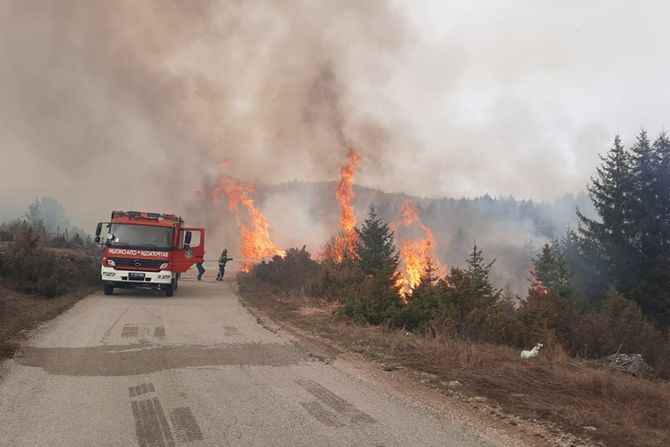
254	228
414	253
344	246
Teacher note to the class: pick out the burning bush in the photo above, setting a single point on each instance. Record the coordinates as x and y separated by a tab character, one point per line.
415	252
343	246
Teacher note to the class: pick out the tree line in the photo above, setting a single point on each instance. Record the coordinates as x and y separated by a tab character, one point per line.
601	288
627	246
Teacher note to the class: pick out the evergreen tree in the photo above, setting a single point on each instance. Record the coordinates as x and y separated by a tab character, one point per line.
627	325
376	249
428	277
606	243
477	272
551	272
662	186
378	300
645	203
423	303
588	285
650	211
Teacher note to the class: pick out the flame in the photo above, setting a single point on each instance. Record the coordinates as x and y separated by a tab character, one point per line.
414	253
344	245
536	283
255	228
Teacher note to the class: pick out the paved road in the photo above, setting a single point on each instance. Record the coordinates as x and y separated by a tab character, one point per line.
195	369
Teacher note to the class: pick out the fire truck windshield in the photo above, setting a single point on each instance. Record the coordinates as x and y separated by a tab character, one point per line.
140	236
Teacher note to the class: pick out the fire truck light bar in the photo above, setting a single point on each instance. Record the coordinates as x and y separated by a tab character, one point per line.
142	215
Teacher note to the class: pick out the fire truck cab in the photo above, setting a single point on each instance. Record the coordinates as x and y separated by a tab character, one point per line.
147	250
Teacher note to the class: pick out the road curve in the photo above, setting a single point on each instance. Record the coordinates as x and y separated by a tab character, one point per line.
196	369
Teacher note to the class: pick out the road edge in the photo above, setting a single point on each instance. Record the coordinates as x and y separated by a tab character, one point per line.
473	414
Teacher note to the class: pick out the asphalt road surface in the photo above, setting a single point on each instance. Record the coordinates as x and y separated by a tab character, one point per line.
197	369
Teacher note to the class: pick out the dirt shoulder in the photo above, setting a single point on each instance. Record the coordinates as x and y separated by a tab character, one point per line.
553	399
19	313
38	283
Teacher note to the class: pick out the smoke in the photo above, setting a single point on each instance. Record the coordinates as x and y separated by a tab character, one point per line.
508	230
131	104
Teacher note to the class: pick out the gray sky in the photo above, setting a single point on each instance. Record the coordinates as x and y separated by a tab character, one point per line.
132	104
532	90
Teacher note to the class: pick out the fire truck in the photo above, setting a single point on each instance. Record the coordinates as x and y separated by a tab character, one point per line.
147	250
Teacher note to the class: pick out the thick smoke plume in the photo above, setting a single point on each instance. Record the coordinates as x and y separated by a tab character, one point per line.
129	104
133	105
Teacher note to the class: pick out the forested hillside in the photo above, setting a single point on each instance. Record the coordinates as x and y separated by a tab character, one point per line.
510	230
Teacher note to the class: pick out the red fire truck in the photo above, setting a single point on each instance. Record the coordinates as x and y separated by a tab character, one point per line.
148	250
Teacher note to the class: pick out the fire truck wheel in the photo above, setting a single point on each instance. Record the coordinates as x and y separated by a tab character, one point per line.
169	290
108	289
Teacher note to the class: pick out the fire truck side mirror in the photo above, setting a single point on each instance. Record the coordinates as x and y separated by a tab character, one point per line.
98	230
187	238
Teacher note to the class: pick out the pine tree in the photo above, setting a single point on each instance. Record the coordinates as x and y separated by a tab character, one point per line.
423	303
629	328
376	249
378	300
650	210
426	283
662	184
629	245
606	242
551	272
429	275
588	285
645	203
477	272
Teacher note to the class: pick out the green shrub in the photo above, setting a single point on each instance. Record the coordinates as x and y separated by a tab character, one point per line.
376	302
628	328
336	281
294	273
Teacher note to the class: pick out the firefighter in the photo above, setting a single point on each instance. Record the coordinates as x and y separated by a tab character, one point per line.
223	259
201	270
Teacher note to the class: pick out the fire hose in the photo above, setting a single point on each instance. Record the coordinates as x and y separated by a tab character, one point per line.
247	260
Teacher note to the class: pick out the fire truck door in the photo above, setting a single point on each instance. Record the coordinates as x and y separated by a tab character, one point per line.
191	248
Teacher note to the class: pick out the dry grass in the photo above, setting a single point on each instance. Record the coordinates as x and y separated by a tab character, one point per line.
76	275
624	410
20	312
325	310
